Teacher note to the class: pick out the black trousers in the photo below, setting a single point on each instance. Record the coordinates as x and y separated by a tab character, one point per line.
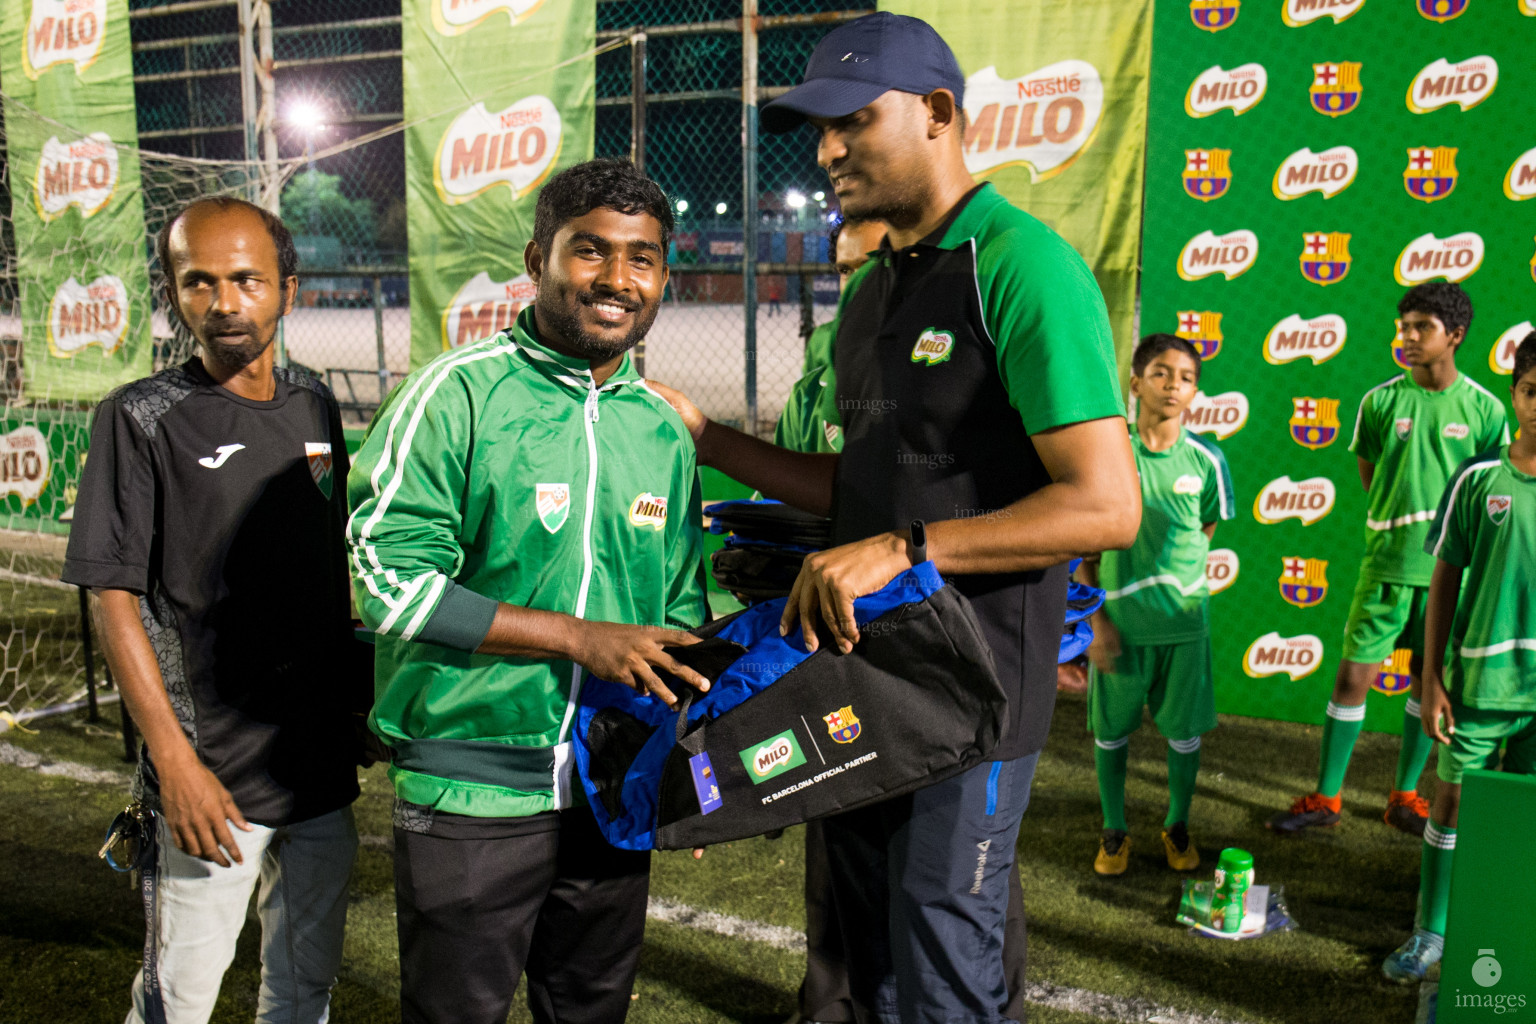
474	914
824	992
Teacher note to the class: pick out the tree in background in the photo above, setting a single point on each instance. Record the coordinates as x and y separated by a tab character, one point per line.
313	204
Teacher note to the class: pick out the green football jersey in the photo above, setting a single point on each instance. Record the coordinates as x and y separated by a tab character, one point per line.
818	347
809	422
1487	527
1415	438
1155	589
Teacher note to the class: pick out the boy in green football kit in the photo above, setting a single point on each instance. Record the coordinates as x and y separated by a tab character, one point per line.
1410	432
1479	646
1151	643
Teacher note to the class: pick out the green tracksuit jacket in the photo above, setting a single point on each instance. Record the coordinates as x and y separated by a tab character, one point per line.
497	472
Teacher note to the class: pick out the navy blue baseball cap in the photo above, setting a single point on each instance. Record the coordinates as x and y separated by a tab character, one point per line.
857	63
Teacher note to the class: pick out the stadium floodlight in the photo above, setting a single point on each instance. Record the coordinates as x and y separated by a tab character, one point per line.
720	208
682	206
307	117
794	199
820	197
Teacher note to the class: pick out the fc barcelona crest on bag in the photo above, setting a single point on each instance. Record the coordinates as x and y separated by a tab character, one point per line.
842	725
319	458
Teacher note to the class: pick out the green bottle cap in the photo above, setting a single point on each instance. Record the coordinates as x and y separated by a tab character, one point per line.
1234	860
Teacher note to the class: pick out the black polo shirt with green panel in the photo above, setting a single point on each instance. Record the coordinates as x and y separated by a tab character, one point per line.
949	355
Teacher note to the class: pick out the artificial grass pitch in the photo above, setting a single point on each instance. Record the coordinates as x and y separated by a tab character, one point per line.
71	931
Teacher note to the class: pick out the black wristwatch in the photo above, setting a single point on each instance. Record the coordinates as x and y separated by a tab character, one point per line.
919	540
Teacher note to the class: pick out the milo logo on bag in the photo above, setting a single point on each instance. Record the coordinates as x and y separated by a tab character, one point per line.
772	757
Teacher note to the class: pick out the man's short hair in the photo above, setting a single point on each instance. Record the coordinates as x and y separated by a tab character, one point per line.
1525	357
608	184
287	255
1440	299
1154	345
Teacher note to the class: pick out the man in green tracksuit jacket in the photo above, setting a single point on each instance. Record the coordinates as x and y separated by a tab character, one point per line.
525	509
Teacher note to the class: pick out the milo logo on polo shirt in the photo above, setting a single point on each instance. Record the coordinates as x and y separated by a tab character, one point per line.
648	510
933	346
774	756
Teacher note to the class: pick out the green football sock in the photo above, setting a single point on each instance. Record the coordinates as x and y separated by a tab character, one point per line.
1415	749
1340	730
1435	876
1183	768
1111	763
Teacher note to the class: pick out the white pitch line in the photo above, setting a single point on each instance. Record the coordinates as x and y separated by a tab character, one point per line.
1120	1009
14	755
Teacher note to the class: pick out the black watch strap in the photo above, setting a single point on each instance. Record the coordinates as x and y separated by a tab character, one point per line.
919	540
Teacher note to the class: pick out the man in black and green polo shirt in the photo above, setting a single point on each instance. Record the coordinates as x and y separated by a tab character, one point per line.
999	450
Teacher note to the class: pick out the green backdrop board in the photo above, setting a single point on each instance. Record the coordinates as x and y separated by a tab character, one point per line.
75	202
1489	970
41	456
1307	160
490	121
1056	100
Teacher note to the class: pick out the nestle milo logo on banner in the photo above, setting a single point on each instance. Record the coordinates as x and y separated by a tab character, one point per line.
1329	172
63	32
81	174
1465	83
82	315
455	17
1297	13
1520	179
1043	120
1318	338
1273	654
1229	255
1501	358
1223	415
1283	498
1221	569
515	147
1216	88
23	464
1427	257
484	307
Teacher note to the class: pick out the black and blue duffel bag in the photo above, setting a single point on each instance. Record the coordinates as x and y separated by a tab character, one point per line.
783	736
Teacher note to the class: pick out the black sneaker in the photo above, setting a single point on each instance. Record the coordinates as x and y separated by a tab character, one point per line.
1311	811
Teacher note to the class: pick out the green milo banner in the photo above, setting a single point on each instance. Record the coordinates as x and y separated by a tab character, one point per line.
490	122
82	266
1309	160
1056	105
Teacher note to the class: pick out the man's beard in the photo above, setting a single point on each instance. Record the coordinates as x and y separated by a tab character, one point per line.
564	322
237	355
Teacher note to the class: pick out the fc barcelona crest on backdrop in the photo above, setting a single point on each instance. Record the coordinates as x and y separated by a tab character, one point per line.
1304	581
1207	173
1315	422
1325	256
842	725
1336	88
1442	10
319	457
1395	675
1215	15
1397	349
1202	329
1431	172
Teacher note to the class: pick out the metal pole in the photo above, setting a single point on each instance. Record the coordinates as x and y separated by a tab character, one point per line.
637	83
248	95
90	656
749	203
266	114
378	333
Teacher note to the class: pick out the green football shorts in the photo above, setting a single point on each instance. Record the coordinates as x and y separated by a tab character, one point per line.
1174	681
1478	736
1382	618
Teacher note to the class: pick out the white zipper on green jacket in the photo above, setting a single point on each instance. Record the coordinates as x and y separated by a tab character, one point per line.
563	752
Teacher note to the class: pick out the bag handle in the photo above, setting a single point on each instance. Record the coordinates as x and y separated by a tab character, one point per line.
682	713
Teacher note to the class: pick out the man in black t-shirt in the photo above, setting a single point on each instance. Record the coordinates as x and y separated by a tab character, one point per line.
210	522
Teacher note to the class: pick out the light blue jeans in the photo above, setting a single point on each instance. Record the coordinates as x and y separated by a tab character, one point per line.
303	871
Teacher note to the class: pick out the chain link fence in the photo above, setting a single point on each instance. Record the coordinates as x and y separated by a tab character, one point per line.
322	95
